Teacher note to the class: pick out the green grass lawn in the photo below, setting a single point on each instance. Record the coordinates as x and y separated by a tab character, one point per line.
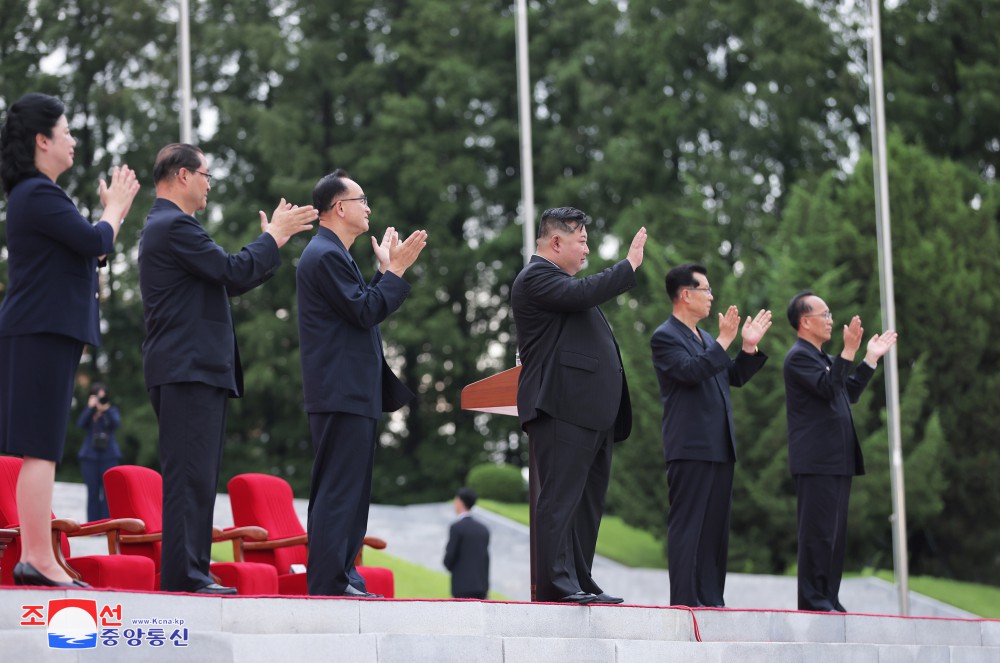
982	600
618	541
412	580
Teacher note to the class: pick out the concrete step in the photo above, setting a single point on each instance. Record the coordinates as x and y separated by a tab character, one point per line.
283	630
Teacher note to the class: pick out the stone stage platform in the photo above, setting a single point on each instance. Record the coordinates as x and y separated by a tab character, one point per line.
135	626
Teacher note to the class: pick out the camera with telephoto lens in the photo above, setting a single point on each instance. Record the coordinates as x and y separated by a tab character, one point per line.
105	399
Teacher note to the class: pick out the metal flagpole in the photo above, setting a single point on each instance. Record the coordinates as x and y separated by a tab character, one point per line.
184	78
877	102
524	122
528	228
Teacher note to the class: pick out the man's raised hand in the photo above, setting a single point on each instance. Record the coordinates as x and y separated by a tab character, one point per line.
383	250
405	253
287	220
729	324
635	250
853	333
754	330
879	344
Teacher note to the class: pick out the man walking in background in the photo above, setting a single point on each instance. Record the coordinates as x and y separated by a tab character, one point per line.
467	554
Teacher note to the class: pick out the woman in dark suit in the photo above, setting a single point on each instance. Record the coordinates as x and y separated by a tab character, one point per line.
50	309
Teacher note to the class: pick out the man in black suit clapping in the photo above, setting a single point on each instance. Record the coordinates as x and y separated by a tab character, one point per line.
823	449
346	382
699	438
190	358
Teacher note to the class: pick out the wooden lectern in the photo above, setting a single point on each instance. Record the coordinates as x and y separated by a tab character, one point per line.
497	394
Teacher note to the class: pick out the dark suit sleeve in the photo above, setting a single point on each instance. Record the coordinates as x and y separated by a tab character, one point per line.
451	550
554	290
238	272
362	307
744	367
55	216
810	374
673	359
858	380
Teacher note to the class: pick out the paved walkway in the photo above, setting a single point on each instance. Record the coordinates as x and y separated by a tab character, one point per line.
418	533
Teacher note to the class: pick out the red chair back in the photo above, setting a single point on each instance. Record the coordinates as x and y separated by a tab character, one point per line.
267	501
137	492
10	468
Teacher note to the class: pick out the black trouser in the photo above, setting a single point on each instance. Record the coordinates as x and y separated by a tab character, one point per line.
822	534
339	497
701	498
192	420
573	466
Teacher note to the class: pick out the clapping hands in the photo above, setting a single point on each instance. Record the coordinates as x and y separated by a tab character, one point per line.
879	344
395	256
754	330
383	249
287	220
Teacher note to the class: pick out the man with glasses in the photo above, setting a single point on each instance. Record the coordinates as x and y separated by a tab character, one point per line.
823	448
190	358
699	438
346	381
572	399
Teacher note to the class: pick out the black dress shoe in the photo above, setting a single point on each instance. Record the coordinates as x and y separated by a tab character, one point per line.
355	593
26	574
580	598
604	597
215	588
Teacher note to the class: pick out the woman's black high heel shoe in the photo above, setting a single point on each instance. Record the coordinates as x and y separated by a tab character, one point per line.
26	574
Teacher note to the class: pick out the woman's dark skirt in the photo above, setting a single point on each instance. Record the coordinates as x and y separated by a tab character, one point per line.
37	373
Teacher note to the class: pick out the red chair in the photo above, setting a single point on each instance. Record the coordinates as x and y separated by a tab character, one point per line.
135	491
6	538
267	501
114	571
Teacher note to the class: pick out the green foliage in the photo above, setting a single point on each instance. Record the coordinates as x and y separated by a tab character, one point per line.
943	89
502	483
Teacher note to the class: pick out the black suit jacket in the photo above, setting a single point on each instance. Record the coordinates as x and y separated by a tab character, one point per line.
819	390
343	366
467	556
51	264
571	367
694	387
186	280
